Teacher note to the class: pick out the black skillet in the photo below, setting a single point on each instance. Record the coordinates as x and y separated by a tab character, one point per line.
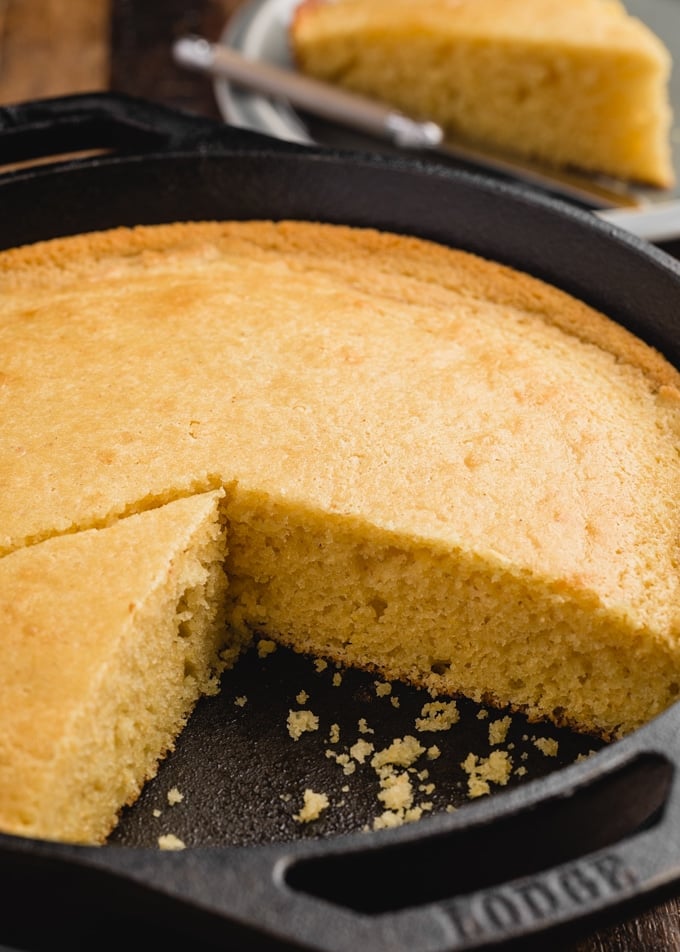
588	842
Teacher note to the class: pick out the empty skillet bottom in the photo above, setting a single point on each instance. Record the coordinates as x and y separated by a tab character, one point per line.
240	769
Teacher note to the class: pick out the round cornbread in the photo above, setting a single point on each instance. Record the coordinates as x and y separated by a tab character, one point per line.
431	465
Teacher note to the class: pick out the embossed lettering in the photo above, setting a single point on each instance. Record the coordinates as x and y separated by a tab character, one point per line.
539	898
578	885
614	872
501	910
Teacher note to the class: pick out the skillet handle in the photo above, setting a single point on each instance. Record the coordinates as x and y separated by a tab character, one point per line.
574	850
92	121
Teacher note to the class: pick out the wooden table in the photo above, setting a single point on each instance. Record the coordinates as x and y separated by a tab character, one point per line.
51	47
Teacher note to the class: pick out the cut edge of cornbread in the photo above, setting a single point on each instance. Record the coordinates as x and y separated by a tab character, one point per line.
122	631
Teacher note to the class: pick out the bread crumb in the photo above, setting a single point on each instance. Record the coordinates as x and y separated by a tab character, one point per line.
394	701
388	820
301	721
383	688
396	793
403	752
450	808
157	813
498	730
334	734
427	788
521	771
482	714
302	698
361	750
582	757
437	716
345	788
240	701
364	728
320	664
265	647
170	842
174	796
482	771
433	752
548	746
286	797
313	806
337	679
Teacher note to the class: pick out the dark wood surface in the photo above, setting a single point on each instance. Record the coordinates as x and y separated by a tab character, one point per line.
51	47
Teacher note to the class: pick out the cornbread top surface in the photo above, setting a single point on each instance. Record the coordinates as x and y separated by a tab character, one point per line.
381	379
582	24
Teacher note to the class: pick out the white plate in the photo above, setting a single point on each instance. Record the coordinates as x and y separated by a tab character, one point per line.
259	30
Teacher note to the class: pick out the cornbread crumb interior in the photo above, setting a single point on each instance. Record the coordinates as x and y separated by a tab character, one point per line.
369	448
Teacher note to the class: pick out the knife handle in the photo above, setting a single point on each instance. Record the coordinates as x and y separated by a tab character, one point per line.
308	94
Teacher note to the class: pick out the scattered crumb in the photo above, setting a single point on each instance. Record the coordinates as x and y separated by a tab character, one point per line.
394	701
364	728
286	797
157	813
433	752
482	714
361	750
265	647
388	820
334	734
437	716
450	808
383	688
582	757
240	701
402	751
547	746
301	721
320	664
344	760
423	775
427	788
174	796
521	771
170	842
498	730
313	806
396	793
482	771
345	788
337	679
302	698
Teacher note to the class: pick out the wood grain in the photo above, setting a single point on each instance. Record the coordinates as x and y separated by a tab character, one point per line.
52	47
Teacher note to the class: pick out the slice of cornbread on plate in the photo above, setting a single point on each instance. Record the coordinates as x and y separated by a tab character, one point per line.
434	466
109	637
577	83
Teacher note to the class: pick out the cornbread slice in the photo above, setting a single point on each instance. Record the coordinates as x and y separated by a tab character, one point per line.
577	83
434	466
109	636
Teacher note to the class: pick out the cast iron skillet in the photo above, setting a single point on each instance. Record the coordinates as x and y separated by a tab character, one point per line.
589	841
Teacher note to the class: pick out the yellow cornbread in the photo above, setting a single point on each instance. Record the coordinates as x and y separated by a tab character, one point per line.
433	466
571	83
109	636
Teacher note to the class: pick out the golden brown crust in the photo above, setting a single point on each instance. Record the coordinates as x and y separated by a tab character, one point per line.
410	261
